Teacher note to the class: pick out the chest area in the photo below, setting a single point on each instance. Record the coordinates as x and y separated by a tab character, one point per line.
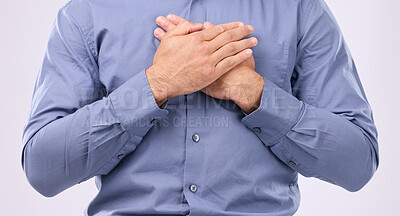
126	45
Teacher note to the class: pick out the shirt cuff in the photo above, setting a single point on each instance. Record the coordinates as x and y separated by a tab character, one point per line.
277	114
135	106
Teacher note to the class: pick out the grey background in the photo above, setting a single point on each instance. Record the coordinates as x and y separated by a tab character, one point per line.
371	29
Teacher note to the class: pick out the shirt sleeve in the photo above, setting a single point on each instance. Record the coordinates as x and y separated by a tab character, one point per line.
74	133
325	127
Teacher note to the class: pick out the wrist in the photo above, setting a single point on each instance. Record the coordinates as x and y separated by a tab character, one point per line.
248	95
158	85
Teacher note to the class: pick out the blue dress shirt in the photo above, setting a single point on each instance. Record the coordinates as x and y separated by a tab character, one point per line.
94	114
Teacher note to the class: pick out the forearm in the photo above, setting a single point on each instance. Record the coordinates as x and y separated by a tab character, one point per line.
247	94
313	141
161	88
74	148
329	147
92	140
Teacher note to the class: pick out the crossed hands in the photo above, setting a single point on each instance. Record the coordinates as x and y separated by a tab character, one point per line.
216	60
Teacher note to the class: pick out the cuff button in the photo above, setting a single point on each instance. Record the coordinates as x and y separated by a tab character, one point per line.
257	130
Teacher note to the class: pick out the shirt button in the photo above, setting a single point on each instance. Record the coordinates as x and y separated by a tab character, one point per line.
196	137
193	188
121	156
292	163
257	129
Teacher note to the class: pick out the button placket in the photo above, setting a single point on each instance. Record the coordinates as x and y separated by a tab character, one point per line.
194	147
194	134
184	199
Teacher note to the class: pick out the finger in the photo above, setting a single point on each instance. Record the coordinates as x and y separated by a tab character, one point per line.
207	25
177	20
185	28
234	48
228	63
214	31
230	36
165	23
159	33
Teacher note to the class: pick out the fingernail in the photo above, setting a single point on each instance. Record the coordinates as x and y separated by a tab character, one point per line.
240	24
249	52
250	27
159	19
254	40
220	28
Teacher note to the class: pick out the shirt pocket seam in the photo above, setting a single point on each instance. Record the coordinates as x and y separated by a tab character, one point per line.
276	60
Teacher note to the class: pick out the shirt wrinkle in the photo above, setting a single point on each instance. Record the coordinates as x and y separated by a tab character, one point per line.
93	114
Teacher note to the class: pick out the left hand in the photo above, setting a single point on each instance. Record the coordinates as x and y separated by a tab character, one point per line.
242	84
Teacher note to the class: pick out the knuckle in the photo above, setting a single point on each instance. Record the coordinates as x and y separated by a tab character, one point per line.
184	24
218	29
196	37
231	48
244	31
199	37
206	60
204	48
229	62
229	36
209	70
171	17
242	56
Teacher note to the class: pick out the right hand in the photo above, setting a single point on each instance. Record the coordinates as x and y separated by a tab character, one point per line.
185	63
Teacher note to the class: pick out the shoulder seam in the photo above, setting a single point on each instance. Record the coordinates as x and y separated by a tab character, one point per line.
305	21
87	39
88	43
